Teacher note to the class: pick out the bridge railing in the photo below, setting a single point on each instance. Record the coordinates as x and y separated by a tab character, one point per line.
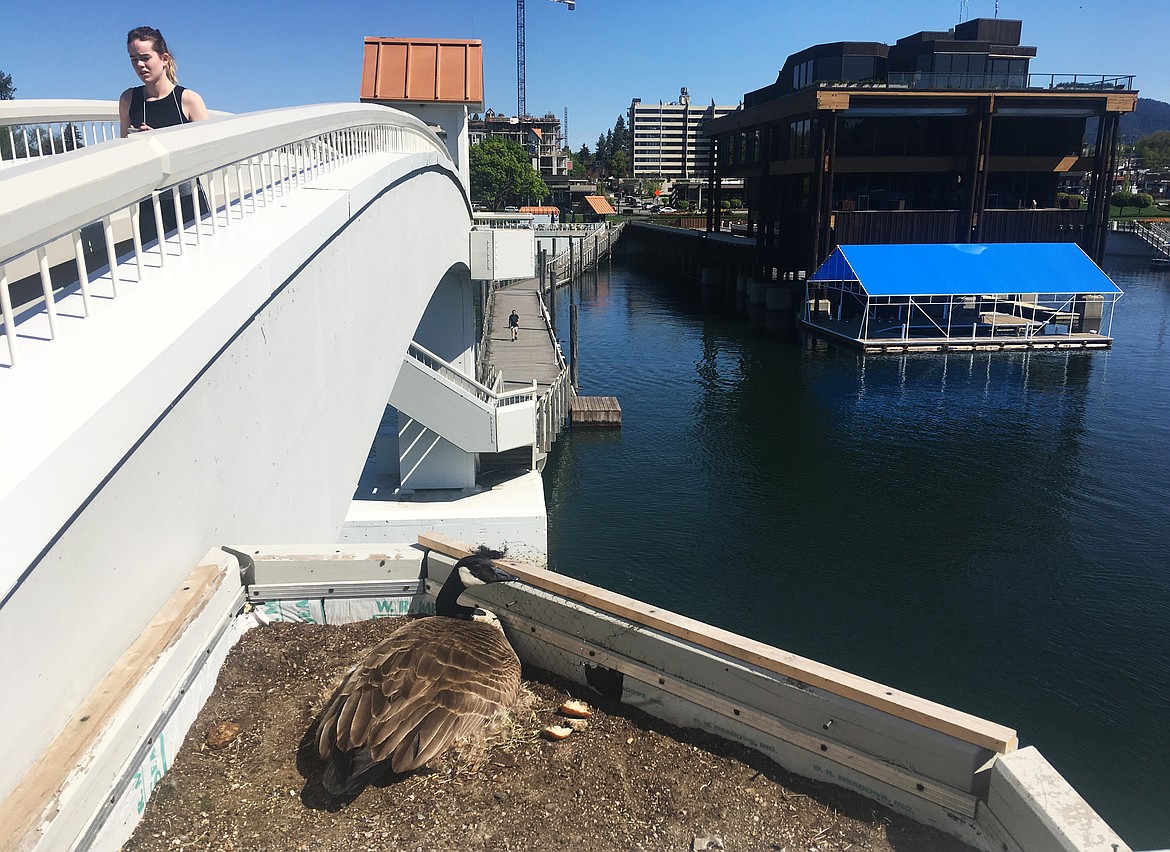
72	222
30	129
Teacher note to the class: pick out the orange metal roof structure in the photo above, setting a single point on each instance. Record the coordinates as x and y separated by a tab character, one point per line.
540	210
422	70
599	204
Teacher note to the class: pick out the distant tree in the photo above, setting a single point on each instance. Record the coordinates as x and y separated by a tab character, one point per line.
1121	200
582	161
619	163
621	135
602	152
502	173
1154	150
1143	200
7	93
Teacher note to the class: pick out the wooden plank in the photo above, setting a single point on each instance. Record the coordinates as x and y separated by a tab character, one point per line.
929	714
35	800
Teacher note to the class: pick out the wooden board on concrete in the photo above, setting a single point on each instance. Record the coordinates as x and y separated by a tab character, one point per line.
596	410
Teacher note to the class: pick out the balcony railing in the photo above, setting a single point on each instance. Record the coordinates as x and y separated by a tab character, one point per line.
1055	82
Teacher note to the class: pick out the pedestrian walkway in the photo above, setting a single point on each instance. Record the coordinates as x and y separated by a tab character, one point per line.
532	356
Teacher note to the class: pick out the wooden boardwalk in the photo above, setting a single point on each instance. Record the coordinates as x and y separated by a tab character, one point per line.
531	357
534	355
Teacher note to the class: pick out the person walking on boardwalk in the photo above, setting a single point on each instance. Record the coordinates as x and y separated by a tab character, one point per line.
514	323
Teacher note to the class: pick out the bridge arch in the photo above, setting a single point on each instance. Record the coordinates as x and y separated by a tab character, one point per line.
280	334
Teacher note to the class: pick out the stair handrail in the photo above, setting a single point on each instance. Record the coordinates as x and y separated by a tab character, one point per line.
455	376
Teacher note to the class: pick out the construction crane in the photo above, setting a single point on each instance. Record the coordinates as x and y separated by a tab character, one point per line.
521	106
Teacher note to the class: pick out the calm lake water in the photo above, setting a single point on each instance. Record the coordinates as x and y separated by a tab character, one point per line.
991	531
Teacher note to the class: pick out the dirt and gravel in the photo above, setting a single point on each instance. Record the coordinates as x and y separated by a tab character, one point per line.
627	782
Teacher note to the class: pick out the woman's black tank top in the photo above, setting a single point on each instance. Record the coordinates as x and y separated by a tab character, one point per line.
165	112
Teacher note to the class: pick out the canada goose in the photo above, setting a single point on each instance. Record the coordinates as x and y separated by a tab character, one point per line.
432	681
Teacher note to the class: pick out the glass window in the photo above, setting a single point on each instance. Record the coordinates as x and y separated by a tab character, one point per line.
829	68
857	68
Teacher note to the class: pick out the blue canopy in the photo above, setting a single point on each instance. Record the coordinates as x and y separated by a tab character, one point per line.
960	269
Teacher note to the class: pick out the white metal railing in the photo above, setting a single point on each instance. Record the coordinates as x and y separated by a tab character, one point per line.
31	129
1154	234
72	224
452	375
567	227
552	408
593	246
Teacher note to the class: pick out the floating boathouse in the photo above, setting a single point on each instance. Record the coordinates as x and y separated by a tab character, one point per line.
961	297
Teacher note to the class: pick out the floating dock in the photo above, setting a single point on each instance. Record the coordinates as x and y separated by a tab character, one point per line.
596	411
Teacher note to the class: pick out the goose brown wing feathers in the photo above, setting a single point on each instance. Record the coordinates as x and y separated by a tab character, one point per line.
429	683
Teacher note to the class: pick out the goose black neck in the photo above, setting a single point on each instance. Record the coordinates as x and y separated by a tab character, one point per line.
447	603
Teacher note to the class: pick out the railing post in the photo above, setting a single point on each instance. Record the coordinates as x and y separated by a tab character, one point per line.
82	272
50	306
573	345
180	230
552	301
136	235
111	257
156	204
6	314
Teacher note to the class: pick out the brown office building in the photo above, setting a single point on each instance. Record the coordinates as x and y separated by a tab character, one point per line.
943	137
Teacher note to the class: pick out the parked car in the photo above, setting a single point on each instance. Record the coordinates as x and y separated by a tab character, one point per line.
666	210
511	209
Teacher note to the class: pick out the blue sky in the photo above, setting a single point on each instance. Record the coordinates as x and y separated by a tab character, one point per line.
247	55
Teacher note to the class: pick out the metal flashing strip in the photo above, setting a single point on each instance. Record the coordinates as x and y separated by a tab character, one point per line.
850	759
261	593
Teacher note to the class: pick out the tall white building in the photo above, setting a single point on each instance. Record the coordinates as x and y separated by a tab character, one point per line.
667	140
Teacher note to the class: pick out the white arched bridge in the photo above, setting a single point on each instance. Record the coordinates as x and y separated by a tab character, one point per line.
225	381
205	329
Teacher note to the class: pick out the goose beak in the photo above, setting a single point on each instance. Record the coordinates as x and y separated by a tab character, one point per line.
499	576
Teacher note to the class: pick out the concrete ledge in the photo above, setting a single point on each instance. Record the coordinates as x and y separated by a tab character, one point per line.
106	738
1041	812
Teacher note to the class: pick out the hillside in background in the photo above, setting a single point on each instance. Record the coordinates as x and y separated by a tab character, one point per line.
1149	117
